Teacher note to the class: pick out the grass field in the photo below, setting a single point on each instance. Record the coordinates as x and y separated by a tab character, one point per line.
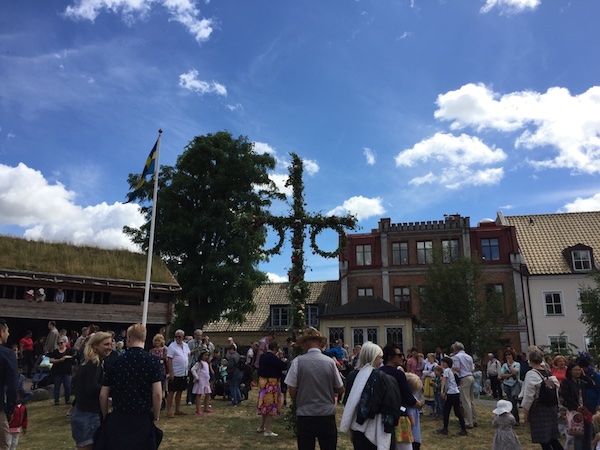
235	428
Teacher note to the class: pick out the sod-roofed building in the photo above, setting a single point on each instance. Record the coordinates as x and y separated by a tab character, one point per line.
104	287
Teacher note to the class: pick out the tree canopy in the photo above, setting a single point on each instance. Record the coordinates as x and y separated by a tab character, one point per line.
589	304
456	304
201	225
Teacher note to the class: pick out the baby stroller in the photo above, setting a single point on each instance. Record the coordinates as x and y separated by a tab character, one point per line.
42	372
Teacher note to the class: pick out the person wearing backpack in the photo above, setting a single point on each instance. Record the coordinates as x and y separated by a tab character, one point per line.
540	408
571	391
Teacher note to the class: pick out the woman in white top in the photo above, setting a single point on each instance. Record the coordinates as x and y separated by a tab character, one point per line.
509	374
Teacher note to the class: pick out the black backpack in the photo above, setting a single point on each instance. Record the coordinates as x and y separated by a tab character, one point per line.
547	395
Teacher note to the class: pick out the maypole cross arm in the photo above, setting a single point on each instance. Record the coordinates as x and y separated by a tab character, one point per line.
298	221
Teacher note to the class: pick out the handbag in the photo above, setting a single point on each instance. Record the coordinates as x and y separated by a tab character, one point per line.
575	423
587	415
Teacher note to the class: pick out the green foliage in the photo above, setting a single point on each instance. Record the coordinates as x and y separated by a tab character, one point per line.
589	304
200	232
457	305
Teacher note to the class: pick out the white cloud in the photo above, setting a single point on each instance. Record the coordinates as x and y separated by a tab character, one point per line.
236	107
454	155
510	6
369	155
190	81
274	278
48	211
584	204
447	148
311	167
568	124
262	148
280	180
360	207
182	11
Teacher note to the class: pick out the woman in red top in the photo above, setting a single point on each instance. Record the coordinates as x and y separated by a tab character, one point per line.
26	347
559	368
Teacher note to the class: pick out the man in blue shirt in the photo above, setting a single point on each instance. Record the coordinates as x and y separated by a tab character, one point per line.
9	378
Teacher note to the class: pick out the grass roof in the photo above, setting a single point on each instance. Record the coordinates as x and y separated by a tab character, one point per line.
19	254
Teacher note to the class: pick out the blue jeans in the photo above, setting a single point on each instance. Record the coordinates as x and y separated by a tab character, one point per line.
439	404
512	394
65	380
234	388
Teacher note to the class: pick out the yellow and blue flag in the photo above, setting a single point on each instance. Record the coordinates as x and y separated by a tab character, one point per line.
148	170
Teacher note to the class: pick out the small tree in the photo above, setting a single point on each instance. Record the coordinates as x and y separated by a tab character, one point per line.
589	304
456	304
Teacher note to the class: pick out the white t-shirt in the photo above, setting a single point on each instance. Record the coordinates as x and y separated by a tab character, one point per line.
179	355
451	387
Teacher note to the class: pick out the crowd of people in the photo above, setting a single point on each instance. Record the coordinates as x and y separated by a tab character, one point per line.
117	385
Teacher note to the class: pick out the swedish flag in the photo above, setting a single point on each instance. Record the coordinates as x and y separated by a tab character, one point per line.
148	170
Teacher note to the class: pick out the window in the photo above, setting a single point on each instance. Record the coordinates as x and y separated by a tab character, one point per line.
553	304
589	345
399	253
394	334
312	316
496	293
363	255
582	260
424	252
559	344
336	333
364	334
365	292
402	298
450	250
490	249
280	316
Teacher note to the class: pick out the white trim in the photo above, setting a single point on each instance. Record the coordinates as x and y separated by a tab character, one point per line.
562	303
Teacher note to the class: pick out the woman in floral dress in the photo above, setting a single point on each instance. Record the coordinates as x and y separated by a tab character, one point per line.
269	384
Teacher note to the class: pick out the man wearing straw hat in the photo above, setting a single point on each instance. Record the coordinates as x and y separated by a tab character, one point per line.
313	380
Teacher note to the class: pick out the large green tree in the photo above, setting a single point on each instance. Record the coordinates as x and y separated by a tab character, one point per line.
589	304
457	304
201	225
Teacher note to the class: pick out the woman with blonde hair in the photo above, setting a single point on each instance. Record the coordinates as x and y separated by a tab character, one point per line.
160	351
374	428
85	418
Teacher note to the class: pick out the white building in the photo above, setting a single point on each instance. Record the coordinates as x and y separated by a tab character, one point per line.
559	252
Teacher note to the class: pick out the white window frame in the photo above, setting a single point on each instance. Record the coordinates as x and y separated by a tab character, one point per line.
364	254
276	311
559	338
334	333
585	263
364	292
545	304
312	315
366	332
424	252
395	327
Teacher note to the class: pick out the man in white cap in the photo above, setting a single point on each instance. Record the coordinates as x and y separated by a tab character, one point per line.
313	380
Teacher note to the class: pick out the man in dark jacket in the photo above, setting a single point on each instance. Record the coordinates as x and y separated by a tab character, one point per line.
9	378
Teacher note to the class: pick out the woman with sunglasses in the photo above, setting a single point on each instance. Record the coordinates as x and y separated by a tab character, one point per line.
62	368
509	374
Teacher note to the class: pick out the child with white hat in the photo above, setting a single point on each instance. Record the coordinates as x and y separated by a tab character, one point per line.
505	437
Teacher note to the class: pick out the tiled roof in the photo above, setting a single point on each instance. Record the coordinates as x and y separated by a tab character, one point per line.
323	292
543	237
366	307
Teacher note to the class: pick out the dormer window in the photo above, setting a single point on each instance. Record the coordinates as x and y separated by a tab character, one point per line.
582	260
579	257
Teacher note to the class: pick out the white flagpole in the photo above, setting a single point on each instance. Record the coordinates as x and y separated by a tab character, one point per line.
151	243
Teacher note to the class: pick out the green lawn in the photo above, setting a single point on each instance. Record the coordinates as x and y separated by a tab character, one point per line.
234	428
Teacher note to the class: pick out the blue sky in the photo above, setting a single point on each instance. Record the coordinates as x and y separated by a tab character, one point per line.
408	109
